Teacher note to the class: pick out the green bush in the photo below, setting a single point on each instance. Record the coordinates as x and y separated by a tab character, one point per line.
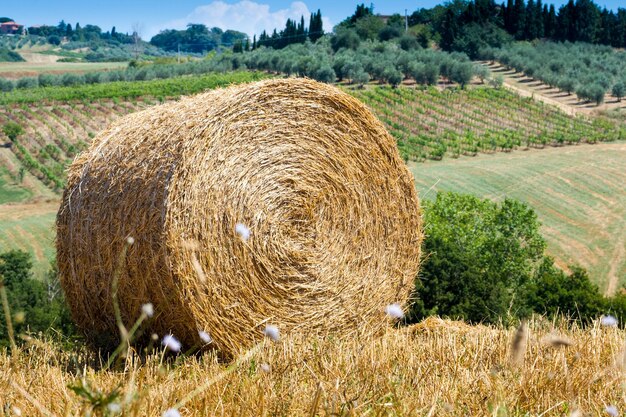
35	306
479	256
485	262
12	130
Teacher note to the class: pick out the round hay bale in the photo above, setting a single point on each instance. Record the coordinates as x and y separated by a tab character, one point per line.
302	170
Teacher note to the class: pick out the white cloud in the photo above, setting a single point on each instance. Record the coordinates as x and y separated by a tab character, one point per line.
245	16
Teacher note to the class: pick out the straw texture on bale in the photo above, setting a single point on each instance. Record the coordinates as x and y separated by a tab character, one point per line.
333	215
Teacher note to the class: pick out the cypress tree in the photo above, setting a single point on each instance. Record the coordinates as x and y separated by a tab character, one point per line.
519	19
509	17
450	29
530	28
538	16
550	23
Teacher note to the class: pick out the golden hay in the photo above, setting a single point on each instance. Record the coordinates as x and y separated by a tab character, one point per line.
333	215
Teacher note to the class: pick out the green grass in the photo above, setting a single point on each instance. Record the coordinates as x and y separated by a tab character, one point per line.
578	193
171	88
10	191
30	228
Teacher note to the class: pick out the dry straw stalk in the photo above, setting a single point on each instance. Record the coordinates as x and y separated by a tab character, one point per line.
331	209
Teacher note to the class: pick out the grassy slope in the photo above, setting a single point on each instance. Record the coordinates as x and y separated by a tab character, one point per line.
436	368
574	225
578	193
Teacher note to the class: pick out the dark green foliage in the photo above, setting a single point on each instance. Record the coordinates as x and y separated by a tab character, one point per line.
36	306
553	292
619	90
479	256
293	33
485	262
408	43
576	21
389	32
10	56
197	38
345	38
54	40
473	38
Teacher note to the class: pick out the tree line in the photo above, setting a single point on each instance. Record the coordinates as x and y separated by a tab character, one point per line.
589	71
197	38
575	21
78	33
292	33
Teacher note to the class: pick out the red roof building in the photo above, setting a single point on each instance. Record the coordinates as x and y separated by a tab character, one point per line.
11	28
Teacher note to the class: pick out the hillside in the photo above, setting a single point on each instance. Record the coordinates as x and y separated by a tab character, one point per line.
428	124
578	193
436	367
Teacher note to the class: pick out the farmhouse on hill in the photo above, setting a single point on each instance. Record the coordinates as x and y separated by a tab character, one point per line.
11	28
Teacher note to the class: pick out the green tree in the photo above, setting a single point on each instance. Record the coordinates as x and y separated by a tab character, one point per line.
479	257
619	90
369	27
36	306
553	292
462	73
345	38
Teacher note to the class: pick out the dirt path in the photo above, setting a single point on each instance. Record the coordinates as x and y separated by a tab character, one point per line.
569	103
37	58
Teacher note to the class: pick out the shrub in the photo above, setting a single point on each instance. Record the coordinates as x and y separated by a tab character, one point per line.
47	80
70	79
27	82
325	74
479	256
408	43
41	305
619	90
13	130
54	40
553	292
6	85
346	38
392	75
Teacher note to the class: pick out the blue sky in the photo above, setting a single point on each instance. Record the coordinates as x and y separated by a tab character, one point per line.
250	16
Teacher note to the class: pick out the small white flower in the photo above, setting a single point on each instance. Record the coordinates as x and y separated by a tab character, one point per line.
171	343
154	337
130	240
611	410
172	412
394	311
272	332
17	411
114	408
608	321
205	337
265	368
242	231
147	309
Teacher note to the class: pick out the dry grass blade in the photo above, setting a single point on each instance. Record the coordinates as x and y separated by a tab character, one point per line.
557	341
301	209
518	346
